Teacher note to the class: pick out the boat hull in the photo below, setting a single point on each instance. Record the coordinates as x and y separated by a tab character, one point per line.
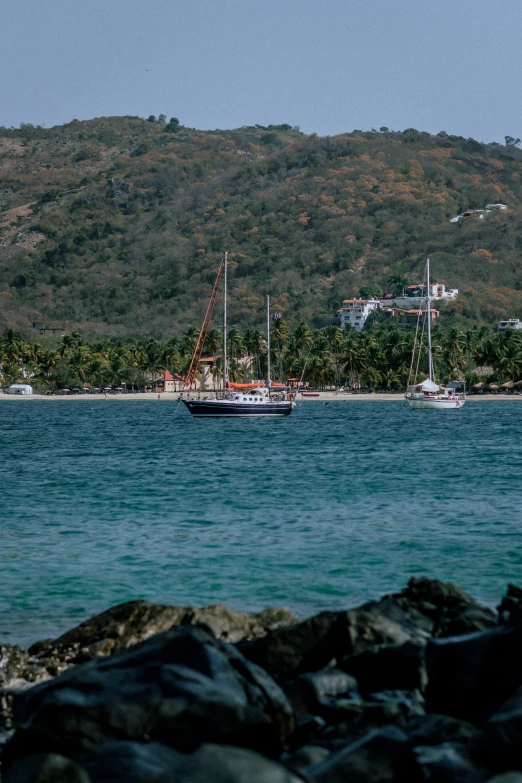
438	405
225	408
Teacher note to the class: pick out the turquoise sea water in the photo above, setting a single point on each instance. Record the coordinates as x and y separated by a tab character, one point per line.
101	502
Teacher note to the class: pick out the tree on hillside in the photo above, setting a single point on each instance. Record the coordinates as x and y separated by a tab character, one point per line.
371	291
398	284
173	125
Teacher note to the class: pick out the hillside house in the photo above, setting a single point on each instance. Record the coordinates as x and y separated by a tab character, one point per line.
496	207
509	323
414	294
48	331
479	213
354	312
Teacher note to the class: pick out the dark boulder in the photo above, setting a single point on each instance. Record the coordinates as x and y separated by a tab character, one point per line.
182	688
131	762
468	620
450	608
305	757
307	730
46	768
499	744
388	667
309	693
330	636
447	764
424	608
510	608
132	622
471	676
308	646
408	703
381	757
436	729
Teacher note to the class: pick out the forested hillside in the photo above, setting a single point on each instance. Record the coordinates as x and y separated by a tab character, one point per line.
115	226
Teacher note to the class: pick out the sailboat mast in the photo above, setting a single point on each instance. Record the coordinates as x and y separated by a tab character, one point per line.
268	342
428	313
225	366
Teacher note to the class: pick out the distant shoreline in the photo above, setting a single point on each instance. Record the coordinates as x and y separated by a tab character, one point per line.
173	397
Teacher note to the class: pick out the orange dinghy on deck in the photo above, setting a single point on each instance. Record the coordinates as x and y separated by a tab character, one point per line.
254	385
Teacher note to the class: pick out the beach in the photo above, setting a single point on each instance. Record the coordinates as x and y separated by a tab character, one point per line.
323	396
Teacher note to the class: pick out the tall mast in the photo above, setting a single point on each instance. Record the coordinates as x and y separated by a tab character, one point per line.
225	365
268	341
428	305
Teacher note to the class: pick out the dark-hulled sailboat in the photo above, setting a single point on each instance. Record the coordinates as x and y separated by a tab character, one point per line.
256	401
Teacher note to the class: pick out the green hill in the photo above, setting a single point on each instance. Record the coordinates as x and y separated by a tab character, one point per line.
115	226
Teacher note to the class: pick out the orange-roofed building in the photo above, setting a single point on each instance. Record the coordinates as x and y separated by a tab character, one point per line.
168	382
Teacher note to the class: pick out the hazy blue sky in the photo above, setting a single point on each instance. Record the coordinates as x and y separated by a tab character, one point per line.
327	66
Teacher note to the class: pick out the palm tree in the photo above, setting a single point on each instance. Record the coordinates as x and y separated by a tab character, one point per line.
254	341
46	361
190	339
334	336
77	364
214	340
390	380
281	335
303	337
235	343
398	284
372	378
354	358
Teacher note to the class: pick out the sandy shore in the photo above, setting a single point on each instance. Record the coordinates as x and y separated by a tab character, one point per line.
173	397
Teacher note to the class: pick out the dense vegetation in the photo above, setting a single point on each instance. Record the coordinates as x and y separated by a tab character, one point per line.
379	357
114	227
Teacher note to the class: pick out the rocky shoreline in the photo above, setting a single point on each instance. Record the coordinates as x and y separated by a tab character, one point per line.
423	685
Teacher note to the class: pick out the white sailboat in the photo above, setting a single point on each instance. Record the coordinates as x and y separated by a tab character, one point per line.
428	394
254	401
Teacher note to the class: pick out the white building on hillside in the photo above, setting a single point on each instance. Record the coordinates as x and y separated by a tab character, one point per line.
509	323
415	294
354	312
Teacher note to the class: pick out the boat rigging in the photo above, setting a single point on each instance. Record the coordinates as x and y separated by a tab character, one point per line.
243	400
428	394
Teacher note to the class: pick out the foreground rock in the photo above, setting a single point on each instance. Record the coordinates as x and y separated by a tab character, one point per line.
127	624
182	688
118	629
471	676
424	609
423	685
132	762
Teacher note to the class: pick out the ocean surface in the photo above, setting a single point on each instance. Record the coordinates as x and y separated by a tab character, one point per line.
102	502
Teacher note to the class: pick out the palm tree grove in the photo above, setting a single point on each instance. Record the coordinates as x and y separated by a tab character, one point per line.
378	358
112	229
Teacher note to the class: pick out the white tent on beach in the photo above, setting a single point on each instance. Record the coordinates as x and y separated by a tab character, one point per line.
20	388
